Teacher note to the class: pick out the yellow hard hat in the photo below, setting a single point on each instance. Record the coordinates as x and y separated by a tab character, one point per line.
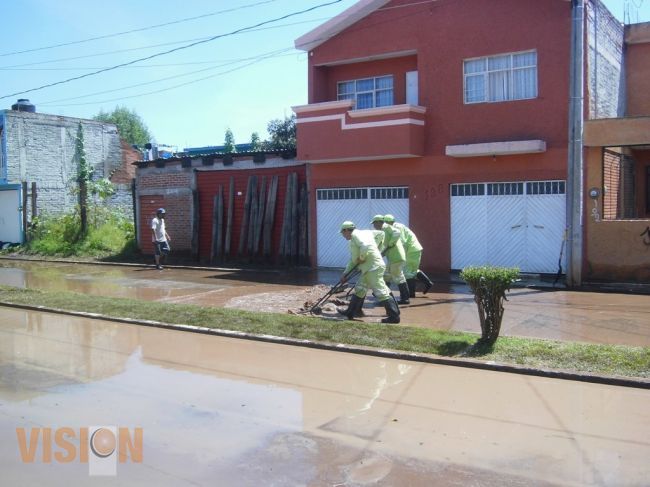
389	218
377	218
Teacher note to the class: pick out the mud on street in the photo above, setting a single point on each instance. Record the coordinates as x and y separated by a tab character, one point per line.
560	314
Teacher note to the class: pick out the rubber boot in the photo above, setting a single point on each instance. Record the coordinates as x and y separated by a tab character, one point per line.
358	312
411	285
391	310
404	294
392	296
353	306
425	279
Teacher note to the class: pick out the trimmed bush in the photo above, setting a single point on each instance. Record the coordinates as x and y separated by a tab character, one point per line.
489	285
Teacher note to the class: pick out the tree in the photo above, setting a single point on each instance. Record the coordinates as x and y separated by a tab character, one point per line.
283	133
256	143
229	142
129	125
84	173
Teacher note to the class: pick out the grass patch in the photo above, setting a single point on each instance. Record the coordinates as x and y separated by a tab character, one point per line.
59	236
570	356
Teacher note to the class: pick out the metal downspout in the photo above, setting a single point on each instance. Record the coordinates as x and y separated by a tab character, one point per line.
575	153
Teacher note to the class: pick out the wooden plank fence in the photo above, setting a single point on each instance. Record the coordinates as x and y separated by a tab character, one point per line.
258	221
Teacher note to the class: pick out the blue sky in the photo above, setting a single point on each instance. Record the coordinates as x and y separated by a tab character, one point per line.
250	78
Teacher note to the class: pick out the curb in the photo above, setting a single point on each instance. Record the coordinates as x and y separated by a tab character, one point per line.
340	347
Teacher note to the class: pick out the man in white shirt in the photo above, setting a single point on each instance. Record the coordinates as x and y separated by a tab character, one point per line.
159	237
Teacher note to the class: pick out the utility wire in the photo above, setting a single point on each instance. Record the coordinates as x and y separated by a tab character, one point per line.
116	34
16	67
219	74
168	88
171	50
13	67
266	55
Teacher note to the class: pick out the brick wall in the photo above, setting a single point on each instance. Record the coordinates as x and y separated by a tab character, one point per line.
170	188
175	188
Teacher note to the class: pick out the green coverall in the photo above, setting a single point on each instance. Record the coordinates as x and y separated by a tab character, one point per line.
366	256
413	250
394	252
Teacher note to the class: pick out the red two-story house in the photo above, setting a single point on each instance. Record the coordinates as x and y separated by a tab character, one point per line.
451	114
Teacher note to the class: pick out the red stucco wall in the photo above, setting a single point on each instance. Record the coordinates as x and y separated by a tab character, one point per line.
208	183
444	33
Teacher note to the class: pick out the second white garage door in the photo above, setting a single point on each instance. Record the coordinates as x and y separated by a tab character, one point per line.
514	224
336	205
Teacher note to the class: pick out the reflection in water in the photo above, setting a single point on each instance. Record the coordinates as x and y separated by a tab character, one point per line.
252	413
96	280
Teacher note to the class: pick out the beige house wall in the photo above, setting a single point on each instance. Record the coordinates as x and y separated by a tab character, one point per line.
637	39
616	250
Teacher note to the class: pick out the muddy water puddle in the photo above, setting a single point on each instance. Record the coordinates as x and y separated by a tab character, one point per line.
560	314
252	413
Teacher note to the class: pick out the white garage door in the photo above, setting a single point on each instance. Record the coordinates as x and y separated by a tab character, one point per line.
336	205
518	224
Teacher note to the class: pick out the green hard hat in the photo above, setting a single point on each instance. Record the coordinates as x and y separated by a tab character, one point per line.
389	218
348	225
377	218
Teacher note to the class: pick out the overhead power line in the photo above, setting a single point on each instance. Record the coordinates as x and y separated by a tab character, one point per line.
116	34
169	87
259	57
256	60
14	67
219	36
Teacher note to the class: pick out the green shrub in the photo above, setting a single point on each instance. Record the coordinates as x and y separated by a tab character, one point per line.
108	234
489	285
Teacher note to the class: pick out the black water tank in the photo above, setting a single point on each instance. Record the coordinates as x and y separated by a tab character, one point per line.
23	105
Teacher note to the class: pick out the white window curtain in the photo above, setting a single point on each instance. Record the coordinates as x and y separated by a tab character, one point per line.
474	80
367	92
384	95
500	78
524	75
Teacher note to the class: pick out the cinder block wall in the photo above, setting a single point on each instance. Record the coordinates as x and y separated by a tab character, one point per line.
41	148
605	84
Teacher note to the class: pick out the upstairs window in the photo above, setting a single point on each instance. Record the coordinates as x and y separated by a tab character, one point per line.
501	78
367	92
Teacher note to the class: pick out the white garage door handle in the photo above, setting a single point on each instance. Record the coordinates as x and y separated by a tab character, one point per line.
515	226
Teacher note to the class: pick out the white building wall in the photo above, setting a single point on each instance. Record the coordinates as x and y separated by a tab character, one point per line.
40	148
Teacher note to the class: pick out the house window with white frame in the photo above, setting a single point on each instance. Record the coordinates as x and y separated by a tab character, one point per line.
367	92
500	78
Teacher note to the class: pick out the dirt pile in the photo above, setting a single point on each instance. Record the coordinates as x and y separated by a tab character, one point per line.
295	302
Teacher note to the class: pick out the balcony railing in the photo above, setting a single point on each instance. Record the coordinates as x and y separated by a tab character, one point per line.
333	132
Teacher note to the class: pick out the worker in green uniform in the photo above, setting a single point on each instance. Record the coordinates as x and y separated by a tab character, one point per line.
413	251
393	249
365	256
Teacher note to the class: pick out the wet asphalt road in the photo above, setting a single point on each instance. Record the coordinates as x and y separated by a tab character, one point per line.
552	314
227	412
